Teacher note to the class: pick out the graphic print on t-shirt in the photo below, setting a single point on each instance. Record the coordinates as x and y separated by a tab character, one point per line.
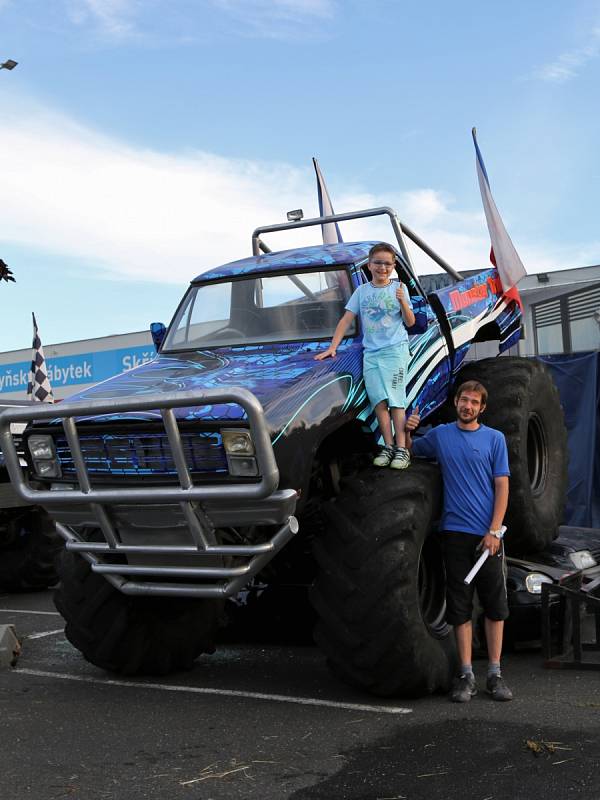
380	311
380	315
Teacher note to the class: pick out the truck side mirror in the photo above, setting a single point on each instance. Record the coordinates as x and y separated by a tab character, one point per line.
157	331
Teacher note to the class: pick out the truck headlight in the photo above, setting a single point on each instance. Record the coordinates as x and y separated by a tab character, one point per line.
43	455
582	559
239	449
534	581
237	442
41	447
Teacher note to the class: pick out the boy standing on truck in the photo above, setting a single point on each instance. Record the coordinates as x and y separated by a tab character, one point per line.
385	312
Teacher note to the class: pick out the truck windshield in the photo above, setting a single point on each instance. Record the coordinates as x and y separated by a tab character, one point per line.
262	308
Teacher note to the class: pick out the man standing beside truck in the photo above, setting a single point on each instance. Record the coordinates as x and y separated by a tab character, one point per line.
474	463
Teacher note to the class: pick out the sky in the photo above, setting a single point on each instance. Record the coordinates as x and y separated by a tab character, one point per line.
142	141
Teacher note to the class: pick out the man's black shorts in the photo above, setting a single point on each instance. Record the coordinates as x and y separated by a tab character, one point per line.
460	553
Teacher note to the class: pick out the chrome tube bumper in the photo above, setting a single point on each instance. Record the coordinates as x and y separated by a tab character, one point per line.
190	553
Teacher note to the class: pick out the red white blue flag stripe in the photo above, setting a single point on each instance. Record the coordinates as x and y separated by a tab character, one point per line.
503	254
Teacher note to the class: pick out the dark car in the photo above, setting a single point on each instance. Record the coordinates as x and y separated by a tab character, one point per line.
571	559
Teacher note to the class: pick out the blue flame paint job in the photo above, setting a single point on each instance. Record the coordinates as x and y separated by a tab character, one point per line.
293	260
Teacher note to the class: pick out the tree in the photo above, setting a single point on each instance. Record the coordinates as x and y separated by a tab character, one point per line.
5	272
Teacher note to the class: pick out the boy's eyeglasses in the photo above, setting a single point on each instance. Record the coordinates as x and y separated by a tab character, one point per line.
383	263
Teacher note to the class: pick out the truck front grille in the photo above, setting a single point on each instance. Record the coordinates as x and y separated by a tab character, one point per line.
143	454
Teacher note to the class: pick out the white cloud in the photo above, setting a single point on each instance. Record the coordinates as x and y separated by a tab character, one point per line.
145	215
279	19
186	20
568	64
292	9
459	237
116	19
134	213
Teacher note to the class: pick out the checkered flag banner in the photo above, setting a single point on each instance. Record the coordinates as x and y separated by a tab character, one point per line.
38	387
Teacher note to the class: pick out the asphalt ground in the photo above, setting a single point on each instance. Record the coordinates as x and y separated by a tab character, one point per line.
269	721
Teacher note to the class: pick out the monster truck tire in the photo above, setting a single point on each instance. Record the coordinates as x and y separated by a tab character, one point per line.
29	549
380	589
524	404
132	635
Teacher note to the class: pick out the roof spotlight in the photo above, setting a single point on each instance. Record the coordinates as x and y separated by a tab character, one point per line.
295	215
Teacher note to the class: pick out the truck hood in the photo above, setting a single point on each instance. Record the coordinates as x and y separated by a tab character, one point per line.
282	377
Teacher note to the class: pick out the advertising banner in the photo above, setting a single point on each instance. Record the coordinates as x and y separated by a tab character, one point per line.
78	369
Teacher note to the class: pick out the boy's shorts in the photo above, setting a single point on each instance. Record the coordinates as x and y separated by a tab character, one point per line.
460	554
384	372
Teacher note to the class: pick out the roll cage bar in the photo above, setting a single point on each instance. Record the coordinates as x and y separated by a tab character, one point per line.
400	229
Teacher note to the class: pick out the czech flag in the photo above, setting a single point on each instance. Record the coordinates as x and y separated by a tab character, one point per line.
502	254
331	231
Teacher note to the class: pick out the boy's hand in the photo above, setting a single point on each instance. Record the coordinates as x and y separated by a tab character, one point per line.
329	353
400	294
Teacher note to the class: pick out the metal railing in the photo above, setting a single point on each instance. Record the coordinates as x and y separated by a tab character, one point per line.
187	498
400	230
573	600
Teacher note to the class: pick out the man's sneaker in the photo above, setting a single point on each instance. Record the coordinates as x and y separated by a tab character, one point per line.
401	459
497	688
384	456
464	689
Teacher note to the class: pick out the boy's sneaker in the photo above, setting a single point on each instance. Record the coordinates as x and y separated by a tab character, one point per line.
464	689
384	456
401	459
498	689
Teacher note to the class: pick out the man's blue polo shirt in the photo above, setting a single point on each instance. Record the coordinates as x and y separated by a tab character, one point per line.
469	460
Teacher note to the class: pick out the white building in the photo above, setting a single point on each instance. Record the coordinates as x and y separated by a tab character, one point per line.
562	311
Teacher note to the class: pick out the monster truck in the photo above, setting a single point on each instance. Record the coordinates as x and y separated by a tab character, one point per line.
234	455
29	544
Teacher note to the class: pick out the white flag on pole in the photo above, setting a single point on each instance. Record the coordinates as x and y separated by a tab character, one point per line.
331	231
503	253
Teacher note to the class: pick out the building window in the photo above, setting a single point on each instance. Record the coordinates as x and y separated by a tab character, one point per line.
584	319
550	339
568	324
548	326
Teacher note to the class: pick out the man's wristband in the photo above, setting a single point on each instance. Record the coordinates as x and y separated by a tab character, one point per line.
499	534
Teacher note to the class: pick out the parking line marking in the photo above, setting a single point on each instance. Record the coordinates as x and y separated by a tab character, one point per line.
44	633
166	687
26	611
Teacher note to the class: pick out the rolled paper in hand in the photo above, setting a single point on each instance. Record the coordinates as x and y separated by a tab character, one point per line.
477	566
480	561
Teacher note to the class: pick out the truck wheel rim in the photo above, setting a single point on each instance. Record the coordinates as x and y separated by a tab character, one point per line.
537	454
432	599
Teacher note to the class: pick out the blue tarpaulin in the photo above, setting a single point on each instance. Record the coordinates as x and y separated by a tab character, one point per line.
578	380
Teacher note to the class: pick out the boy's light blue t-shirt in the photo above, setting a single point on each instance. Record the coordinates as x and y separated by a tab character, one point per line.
470	460
380	315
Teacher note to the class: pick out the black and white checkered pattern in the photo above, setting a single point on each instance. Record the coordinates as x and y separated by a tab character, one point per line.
38	387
